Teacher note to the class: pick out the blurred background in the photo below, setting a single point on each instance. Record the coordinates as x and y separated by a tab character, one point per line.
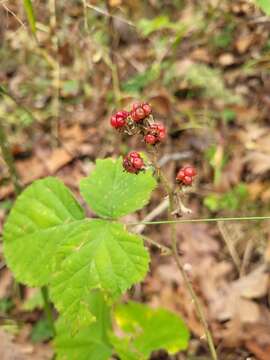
204	66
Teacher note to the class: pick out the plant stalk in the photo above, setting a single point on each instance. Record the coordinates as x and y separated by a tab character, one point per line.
48	307
197	303
9	159
201	220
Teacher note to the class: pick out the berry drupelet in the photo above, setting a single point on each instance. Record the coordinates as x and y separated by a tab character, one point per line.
140	111
186	175
133	162
118	121
155	133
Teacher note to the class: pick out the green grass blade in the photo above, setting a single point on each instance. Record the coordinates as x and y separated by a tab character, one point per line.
28	7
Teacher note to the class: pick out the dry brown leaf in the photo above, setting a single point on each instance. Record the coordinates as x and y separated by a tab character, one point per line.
258	162
254	285
243	43
9	350
226	59
57	159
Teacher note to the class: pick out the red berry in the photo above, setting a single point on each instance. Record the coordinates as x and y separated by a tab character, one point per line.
114	121
134	154
135	105
150	139
147	109
190	171
137	163
180	176
133	162
187	180
155	133
119	119
140	111
186	174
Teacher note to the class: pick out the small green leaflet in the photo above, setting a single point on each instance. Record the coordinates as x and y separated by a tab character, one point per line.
98	254
28	7
265	5
90	343
150	329
112	192
41	217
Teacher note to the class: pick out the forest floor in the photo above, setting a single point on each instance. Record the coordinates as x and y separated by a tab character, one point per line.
205	69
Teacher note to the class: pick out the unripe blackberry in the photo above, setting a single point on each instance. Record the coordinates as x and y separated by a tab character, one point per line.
155	133
140	111
185	175
133	162
118	120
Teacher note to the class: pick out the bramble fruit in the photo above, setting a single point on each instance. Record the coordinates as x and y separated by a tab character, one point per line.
140	111
155	133
186	174
118	120
133	162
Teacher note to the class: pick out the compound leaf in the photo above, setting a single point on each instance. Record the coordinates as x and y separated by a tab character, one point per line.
41	217
138	321
90	343
112	192
97	254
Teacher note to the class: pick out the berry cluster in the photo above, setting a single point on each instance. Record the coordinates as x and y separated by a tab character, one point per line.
155	133
140	111
139	120
133	162
186	175
118	120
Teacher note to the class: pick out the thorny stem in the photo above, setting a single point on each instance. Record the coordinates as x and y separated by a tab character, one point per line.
48	308
197	304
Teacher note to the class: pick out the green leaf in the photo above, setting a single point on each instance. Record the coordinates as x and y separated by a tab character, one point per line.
42	331
265	5
28	7
152	329
147	26
123	348
37	224
112	192
138	82
90	343
97	254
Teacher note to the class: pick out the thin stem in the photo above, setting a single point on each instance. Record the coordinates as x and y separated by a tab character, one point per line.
85	15
164	249
55	72
202	220
9	159
112	61
47	307
195	299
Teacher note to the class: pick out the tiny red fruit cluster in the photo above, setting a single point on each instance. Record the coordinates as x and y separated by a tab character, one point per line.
118	120
140	111
133	162
139	120
155	133
186	175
